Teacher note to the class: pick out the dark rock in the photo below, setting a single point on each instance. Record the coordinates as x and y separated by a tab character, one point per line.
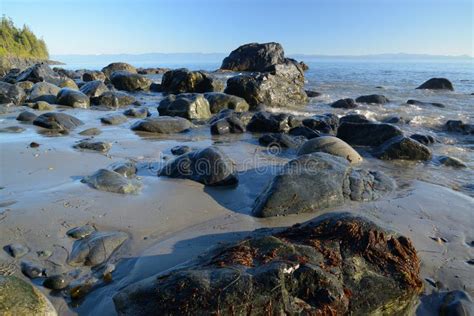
80	232
437	84
330	145
184	81
156	87
94	146
57	121
230	124
209	166
57	282
187	105
68	83
283	86
339	264
93	75
114	99
451	162
111	181
73	98
314	182
152	71
323	124
96	248
277	140
39	73
219	101
312	94
162	124
254	57
91	132
10	93
31	270
344	104
401	147
126	169
138	113
367	134
423	139
304	131
114	119
421	103
244	117
34	145
26	116
456	303
12	129
303	66
44	91
123	80
372	98
16	250
180	150
266	122
94	89
25	85
10	76
354	118
42	106
459	127
113	67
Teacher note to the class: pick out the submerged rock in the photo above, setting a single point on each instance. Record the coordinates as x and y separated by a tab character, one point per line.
437	84
12	129
114	99
26	116
73	98
335	265
57	121
162	124
111	181
184	81
421	103
219	101
367	134
138	113
188	105
459	127
317	181
10	93
401	147
330	145
312	94
96	248
95	146
127	81
372	98
91	132
18	297
113	119
451	162
423	139
44	91
344	104
209	166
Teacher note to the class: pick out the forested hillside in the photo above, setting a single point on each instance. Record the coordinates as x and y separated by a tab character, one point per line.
20	42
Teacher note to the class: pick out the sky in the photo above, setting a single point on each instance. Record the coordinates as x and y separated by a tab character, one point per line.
322	27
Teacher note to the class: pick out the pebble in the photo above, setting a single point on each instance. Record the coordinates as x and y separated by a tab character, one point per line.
57	282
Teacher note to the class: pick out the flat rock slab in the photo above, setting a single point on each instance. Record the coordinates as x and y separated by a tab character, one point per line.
335	265
162	125
111	181
94	146
57	121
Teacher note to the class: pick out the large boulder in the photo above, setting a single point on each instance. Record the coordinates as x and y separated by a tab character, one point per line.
113	99
372	99
182	81
44	91
317	181
367	134
39	73
111	181
187	105
254	57
219	101
113	67
127	81
209	166
281	86
73	98
337	264
18	297
331	145
57	121
437	84
401	147
93	76
94	89
162	125
10	93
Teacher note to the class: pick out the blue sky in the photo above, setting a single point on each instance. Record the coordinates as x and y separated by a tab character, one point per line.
329	27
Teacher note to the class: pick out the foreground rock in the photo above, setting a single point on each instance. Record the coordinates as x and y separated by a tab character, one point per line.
111	181
219	101
44	91
18	297
401	147
184	81
114	99
330	145
367	134
263	122
123	80
254	57
113	67
73	98
57	121
458	126
311	183
209	166
94	89
94	146
372	99
187	105
162	125
10	93
96	248
335	265
437	84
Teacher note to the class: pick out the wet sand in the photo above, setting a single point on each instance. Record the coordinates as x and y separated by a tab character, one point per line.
173	220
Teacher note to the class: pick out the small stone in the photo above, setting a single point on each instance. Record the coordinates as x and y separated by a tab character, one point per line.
94	146
34	145
91	132
57	282
17	250
31	270
114	119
